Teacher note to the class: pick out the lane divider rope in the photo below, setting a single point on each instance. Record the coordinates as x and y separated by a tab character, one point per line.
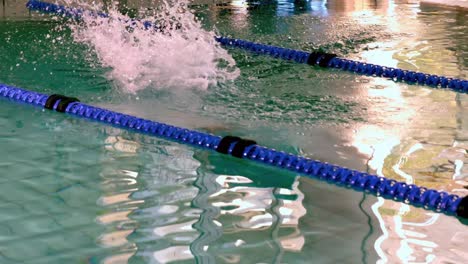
430	199
327	60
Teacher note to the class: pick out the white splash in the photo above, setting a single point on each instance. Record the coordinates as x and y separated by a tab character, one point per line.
181	54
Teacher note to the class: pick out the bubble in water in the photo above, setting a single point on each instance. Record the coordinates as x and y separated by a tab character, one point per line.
175	53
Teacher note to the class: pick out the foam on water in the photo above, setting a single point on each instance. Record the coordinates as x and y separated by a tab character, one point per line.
180	55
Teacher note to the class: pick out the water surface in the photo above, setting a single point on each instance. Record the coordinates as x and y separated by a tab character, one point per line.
78	192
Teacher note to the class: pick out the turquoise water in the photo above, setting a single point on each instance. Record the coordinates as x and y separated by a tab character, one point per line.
78	192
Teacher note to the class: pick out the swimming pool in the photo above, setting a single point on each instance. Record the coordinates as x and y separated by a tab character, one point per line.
76	192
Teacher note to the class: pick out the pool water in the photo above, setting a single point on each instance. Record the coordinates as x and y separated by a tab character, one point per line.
73	191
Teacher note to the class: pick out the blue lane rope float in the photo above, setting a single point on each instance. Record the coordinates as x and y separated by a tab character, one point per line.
315	58
76	13
50	8
327	60
429	199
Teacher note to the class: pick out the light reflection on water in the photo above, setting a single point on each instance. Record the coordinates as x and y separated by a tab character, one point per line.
253	214
410	131
149	201
162	227
409	234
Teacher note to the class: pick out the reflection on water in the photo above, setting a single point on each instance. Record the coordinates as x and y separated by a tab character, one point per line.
78	193
265	219
409	145
165	203
179	210
412	134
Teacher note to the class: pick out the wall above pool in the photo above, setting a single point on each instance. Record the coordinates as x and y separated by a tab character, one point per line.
457	3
